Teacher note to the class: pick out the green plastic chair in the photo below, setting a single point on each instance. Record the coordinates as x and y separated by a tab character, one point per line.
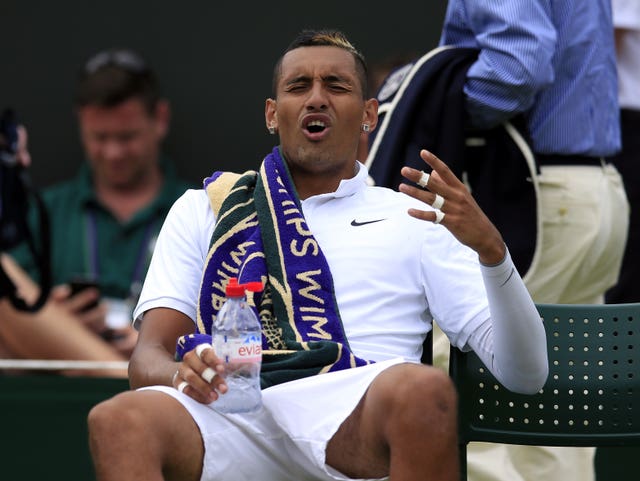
592	394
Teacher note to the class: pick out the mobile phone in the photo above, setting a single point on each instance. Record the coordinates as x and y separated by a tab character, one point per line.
78	284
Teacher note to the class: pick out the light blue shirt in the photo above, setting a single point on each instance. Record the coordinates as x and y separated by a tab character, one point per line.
552	60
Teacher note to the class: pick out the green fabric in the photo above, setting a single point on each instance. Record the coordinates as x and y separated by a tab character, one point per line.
119	244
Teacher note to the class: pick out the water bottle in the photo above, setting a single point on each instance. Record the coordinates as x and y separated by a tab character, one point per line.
237	339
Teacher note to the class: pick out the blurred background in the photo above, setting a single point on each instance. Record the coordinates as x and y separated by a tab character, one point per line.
214	61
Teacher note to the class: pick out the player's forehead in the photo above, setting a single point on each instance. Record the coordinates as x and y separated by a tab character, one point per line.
320	61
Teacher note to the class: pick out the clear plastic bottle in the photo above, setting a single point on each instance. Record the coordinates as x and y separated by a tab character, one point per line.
237	338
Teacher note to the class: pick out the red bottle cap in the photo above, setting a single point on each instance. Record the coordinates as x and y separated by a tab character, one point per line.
234	289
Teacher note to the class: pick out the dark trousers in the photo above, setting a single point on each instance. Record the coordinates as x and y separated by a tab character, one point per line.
628	164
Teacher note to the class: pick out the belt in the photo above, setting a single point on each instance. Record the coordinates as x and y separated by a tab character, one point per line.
569	159
630	115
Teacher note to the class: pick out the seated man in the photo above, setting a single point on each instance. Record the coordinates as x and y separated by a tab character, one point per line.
103	222
354	275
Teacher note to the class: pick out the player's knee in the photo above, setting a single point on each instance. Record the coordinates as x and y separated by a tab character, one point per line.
108	419
425	385
422	397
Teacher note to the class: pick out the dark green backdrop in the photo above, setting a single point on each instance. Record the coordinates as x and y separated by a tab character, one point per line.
214	59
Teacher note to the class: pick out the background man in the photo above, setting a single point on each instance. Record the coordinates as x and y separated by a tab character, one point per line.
554	63
104	222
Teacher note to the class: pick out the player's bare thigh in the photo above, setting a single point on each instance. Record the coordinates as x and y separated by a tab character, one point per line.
360	447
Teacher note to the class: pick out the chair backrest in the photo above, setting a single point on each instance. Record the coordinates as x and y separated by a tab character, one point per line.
592	394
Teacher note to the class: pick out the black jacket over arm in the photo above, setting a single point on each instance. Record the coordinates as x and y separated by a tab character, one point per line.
422	106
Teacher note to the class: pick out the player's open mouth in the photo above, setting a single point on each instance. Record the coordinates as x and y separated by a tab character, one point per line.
315	126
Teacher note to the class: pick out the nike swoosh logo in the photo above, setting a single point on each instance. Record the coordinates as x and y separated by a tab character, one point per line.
355	223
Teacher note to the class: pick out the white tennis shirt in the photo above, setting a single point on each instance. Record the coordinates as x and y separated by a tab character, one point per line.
392	273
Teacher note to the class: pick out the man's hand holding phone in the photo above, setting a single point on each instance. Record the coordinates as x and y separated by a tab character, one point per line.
82	298
89	300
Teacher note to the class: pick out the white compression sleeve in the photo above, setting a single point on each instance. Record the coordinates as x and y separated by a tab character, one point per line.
512	344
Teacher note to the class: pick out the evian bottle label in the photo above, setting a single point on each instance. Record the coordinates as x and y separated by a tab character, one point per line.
243	349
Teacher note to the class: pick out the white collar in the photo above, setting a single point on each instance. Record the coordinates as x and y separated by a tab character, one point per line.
350	186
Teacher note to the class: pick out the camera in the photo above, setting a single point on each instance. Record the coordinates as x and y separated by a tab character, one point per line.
16	192
13	191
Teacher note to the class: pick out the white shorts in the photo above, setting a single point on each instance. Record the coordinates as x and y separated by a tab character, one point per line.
287	438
